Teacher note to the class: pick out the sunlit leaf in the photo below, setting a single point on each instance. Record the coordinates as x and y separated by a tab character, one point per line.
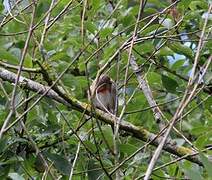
181	49
5	55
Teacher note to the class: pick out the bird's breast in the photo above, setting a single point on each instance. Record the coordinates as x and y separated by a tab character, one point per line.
103	89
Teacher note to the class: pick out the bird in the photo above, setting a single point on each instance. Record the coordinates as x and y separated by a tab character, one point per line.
103	94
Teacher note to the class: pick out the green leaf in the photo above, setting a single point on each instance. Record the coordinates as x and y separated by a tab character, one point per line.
60	163
105	32
6	55
207	164
208	104
4	170
107	132
198	130
1	7
194	5
127	20
96	4
169	83
90	27
193	174
150	29
28	61
12	160
209	46
181	49
94	170
3	144
137	102
127	148
165	51
179	63
185	3
201	141
90	146
60	56
145	48
154	78
20	44
42	8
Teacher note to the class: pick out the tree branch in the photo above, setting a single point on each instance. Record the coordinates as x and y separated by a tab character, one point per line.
135	131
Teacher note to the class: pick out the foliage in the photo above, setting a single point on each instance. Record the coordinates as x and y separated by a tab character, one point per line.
85	35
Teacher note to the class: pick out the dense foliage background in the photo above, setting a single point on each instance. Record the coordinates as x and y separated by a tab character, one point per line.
42	39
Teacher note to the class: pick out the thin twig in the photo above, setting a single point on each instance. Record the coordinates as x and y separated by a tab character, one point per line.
12	105
180	109
137	132
75	160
